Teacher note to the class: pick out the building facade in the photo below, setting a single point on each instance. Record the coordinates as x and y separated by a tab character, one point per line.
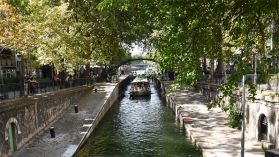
10	63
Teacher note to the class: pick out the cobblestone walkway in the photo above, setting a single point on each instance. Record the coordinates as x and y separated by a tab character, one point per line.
209	129
68	127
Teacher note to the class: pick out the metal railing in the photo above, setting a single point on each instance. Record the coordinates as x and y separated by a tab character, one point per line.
216	79
262	82
15	90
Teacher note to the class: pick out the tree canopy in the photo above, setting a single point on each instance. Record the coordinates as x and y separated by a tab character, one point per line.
186	35
181	32
63	33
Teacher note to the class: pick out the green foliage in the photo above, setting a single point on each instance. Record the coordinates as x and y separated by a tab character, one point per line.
183	34
64	34
44	80
20	5
227	31
11	80
235	118
251	91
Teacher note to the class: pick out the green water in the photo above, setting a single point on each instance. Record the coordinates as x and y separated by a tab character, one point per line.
138	128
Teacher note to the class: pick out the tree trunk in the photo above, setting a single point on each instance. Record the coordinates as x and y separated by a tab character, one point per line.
211	69
220	59
263	50
204	68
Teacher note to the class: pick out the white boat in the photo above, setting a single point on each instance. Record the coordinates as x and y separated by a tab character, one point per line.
140	88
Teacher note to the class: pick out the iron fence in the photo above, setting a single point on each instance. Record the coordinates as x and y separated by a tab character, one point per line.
15	90
262	82
265	82
216	79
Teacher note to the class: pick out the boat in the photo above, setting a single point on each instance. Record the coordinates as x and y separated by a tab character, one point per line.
140	88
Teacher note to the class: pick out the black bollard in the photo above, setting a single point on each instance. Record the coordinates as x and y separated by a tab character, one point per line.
76	108
96	90
52	132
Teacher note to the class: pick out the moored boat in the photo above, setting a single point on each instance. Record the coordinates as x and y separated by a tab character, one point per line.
140	88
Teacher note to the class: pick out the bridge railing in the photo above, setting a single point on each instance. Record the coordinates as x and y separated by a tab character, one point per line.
129	59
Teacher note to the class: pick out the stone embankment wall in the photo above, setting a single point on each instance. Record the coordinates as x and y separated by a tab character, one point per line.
22	118
162	90
114	96
255	112
262	115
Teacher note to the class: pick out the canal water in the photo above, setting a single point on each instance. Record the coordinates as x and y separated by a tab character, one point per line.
138	128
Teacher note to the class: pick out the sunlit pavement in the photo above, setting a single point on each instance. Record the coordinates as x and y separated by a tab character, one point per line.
210	130
68	127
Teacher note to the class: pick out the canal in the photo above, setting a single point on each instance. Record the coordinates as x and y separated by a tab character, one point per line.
138	128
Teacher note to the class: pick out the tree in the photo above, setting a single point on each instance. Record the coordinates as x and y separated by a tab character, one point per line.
184	32
10	20
60	34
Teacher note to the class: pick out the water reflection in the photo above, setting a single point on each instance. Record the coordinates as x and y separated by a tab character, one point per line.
138	127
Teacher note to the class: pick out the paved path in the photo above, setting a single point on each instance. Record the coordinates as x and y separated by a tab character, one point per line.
210	129
68	127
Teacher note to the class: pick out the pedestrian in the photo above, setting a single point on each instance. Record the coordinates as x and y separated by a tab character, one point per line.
67	81
71	80
33	85
26	84
56	79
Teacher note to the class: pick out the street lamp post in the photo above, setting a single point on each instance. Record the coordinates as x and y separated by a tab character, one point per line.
243	118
